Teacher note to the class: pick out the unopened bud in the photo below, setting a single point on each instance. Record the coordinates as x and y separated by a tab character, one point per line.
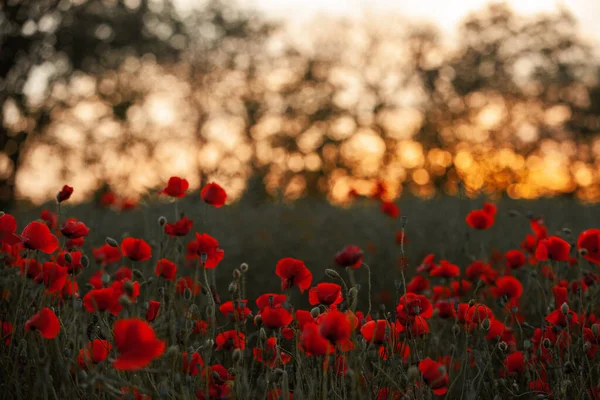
352	293
258	320
413	374
237	356
68	258
586	346
513	213
595	329
233	287
546	343
187	294
124	301
244	267
111	242
105	278
486	324
315	312
564	309
1	214
129	288
138	274
162	221
471	302
332	274
85	261
567	231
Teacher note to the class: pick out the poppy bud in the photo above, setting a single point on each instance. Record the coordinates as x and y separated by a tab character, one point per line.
486	324
502	346
315	312
236	356
187	294
124	301
111	242
332	274
413	374
583	252
353	292
564	309
138	274
82	375
244	267
455	329
128	286
471	302
236	274
546	343
105	278
209	310
232	287
526	344
513	213
567	231
162	221
595	329
85	261
258	320
68	258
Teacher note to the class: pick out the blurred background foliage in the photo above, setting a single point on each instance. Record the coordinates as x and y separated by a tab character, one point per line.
125	93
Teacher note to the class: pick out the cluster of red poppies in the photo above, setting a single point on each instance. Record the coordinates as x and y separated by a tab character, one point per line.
175	325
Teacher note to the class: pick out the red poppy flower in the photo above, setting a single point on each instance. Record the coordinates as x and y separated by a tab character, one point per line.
553	248
435	375
136	249
418	284
293	273
391	209
152	312
515	259
71	288
480	219
350	256
64	194
236	310
201	327
123	273
45	322
165	268
106	254
214	195
54	277
6	331
590	241
270	355
270	300
276	317
100	299
529	244
508	286
560	295
312	342
557	318
74	243
427	264
187	283
181	227
377	332
329	294
192	363
477	313
50	218
537	226
230	340
96	280
72	228
30	267
96	351
107	199
515	363
208	245
417	327
136	343
8	226
127	203
40	238
460	288
445	270
303	317
74	265
500	332
335	326
490	208
176	187
413	305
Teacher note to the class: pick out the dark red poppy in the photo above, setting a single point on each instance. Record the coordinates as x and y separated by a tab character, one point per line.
136	249
477	313
230	340
176	187
7	330
401	237
237	310
418	327
64	194
107	199
30	267
350	256
205	246
95	352
40	238
590	241
187	283
270	355
8	226
538	227
72	228
560	295
558	318
508	286
181	227
312	342
270	300
192	363
515	363
152	312
96	280
329	294
106	254
480	219
100	299
377	332
293	273
335	326
445	309
427	264
74	265
529	244
303	317
214	195
200	327
490	208
515	259
165	268
435	375
553	248
276	317
418	284
54	277
500	332
45	322
136	343
70	289
445	270
391	209
50	218
460	288
413	305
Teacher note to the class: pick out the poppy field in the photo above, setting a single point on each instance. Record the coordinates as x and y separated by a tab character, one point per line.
187	295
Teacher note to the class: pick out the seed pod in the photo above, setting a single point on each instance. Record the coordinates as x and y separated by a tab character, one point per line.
583	252
471	302
244	267
502	346
162	221
111	242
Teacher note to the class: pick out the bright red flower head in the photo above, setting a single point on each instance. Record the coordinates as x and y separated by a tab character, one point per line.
329	294
477	313
590	241
350	256
553	248
391	209
30	267
445	309
335	326
418	284
413	305
377	332
8	226
176	187
515	259
276	317
165	268
435	375
206	248
152	312
100	299
45	322
214	195
181	227
236	310
123	273
445	270
136	249
490	208
508	286
515	363
312	342
96	351
54	277
560	295
557	317
50	218
74	264
192	363
187	283
270	300
136	343
74	229
480	219
230	340
40	238
293	273
106	254
64	194
6	331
